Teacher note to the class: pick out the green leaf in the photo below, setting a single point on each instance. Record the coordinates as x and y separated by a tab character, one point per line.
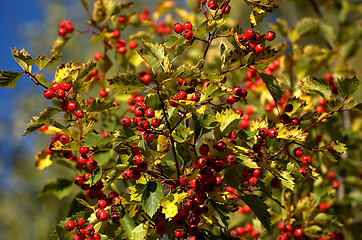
140	232
297	103
211	91
316	86
140	36
182	134
292	132
313	231
85	4
126	83
259	208
151	61
127	225
158	51
281	26
92	139
151	196
304	26
59	44
228	120
60	187
232	175
43	62
115	174
272	84
45	117
85	70
187	71
287	180
101	105
63	234
222	211
23	58
9	78
174	41
327	220
347	86
260	10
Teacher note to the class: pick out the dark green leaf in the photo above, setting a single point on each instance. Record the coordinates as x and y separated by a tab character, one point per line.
174	41
358	107
297	103
9	78
127	226
60	187
85	4
115	174
233	175
156	50
304	26
86	69
347	86
92	139
151	196
101	105
126	83
272	84
45	117
182	134
281	26
140	36
259	208
151	61
222	211
187	71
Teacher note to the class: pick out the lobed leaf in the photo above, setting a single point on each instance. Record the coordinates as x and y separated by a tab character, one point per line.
151	196
259	208
43	62
60	187
316	86
273	86
23	58
9	78
292	132
101	105
126	83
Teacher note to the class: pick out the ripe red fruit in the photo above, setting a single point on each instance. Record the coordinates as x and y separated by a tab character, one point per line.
253	181
91	165
298	233
160	230
298	152
62	31
196	96
282	227
179	232
178	28
248	228
303	172
273	133
242	38
188	34
121	19
307	160
331	175
102	203
202	1
184	180
212	5
259	48
102	93
275	182
66	86
132	44
122	50
288	108
256	173
69	226
79	181
150	113
330	149
79	222
335	184
263	132
101	214
231	100
249	33
194	183
64	139
60	94
155	122
187	26
116	34
97	56
49	93
201	162
55	86
82	160
146	78
221	146
181	95
126	122
204	150
225	9
79	113
270	36
231	159
329	78
255	234
319	109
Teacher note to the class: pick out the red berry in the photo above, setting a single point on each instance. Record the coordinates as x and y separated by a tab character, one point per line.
204	150
319	109
263	132
221	146
79	222
160	230
242	38
322	101
69	226
116	34
231	159
127	174
212	5
179	232
303	172
255	234
79	113
60	94
150	113
307	160
49	93
225	9
132	44
122	50
329	78
231	100
202	2
248	228
298	152
102	93
178	28
298	233
256	173
62	31
82	160
282	227
79	181
253	181
66	86
335	184
331	175
183	180
155	122
288	108
101	214
187	26
275	182
259	48
97	56
188	34
201	162
249	33
121	19
270	36
91	165
146	79
196	96
64	139
69	26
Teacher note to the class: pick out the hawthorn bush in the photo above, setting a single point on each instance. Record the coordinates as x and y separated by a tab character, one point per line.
213	131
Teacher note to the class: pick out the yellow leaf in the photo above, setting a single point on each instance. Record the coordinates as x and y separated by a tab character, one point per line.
64	71
43	160
170	203
292	133
51	130
257	124
202	109
57	146
163	145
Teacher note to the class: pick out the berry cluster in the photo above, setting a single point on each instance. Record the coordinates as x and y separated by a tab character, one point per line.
252	40
238	92
82	231
242	232
287	232
184	29
245	121
65	27
224	7
329	78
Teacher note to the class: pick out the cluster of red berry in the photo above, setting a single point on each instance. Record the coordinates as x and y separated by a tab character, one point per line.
240	232
184	29
238	92
329	78
251	40
225	8
61	91
245	121
287	232
272	104
82	231
65	27
331	175
162	28
306	160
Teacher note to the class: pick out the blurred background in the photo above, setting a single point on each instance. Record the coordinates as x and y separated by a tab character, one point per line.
33	25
